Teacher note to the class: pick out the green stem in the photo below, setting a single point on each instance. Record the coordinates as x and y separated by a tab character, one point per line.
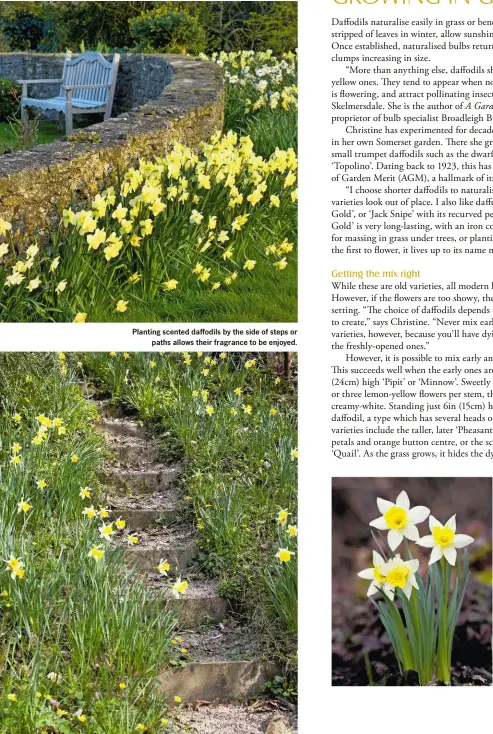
443	658
407	654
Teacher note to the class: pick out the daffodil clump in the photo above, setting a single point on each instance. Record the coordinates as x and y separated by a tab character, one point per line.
270	82
73	624
261	96
184	223
419	614
233	419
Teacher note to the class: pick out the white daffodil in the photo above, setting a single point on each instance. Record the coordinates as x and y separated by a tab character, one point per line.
444	540
399	519
399	574
374	575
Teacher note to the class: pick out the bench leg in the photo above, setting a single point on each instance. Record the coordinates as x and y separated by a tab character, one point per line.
68	120
23	112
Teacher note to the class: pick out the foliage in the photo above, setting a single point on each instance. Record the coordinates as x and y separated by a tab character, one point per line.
71	628
22	30
167	32
234	419
48	26
10	97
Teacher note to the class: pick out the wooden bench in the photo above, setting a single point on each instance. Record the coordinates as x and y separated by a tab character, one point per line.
87	87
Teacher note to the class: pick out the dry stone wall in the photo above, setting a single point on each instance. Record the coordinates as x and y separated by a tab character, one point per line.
159	99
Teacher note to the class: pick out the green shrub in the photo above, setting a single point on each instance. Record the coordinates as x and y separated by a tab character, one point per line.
160	30
10	96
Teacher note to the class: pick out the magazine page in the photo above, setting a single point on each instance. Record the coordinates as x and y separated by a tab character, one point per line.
149	367
410	106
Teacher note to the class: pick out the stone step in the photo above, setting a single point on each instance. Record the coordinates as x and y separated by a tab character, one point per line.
139	519
200	604
108	409
176	546
141	481
216	681
119	427
227	664
131	451
236	717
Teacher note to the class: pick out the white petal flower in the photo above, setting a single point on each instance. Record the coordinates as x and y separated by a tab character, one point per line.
374	575
400	574
444	541
399	519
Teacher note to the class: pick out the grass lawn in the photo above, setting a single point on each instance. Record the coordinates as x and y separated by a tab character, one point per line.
267	297
48	132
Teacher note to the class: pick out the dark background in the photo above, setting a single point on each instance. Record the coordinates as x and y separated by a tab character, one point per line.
355	624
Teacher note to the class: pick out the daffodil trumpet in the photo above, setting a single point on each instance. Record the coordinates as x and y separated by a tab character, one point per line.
419	615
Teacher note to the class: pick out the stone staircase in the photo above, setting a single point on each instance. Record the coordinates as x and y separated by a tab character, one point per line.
224	661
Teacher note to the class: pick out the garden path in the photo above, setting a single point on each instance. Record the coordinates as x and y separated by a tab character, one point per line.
224	666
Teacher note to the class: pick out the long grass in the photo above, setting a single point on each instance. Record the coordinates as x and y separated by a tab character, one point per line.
71	628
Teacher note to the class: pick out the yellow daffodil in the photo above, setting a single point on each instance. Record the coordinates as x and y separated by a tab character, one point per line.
24	506
284	555
121	306
282	517
179	587
96	552
163	567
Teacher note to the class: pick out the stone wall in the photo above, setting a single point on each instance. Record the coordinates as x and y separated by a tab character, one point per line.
159	99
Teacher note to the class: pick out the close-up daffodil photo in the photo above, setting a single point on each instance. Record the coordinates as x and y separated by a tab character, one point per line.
417	583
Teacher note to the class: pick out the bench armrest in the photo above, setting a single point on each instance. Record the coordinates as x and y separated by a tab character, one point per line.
39	81
87	86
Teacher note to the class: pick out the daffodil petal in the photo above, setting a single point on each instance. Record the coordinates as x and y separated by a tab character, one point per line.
408	590
372	589
403	501
384	505
451	523
379	523
450	554
460	541
418	514
411	532
434	523
412	581
366	573
388	591
427	541
377	559
413	565
394	538
436	554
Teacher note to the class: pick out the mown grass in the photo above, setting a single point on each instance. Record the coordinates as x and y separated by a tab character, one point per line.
269	297
48	132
